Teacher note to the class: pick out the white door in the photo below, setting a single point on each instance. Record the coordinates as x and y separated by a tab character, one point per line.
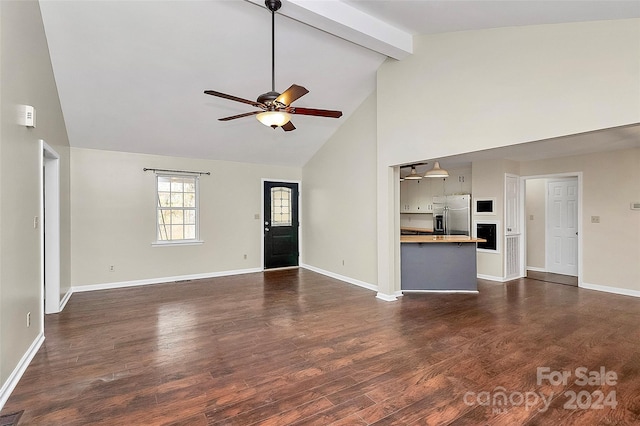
512	205
562	226
512	258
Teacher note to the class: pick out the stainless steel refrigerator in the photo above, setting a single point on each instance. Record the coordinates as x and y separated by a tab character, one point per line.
452	215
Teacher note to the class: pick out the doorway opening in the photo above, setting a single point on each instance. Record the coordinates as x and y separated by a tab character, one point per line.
552	218
50	229
281	224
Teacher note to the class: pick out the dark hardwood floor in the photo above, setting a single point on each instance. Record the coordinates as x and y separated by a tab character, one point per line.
294	347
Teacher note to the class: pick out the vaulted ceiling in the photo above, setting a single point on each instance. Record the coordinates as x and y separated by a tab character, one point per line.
131	74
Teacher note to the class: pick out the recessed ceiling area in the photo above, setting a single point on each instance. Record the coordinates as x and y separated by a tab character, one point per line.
131	75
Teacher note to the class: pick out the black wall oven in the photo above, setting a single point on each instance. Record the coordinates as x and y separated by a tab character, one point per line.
487	231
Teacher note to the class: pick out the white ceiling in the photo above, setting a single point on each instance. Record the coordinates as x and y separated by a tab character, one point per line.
131	74
433	16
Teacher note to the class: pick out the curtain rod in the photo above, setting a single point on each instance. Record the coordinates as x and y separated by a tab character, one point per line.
176	171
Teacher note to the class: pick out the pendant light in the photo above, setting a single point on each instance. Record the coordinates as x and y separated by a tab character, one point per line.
413	175
437	172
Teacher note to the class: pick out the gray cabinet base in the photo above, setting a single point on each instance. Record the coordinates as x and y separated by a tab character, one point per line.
438	266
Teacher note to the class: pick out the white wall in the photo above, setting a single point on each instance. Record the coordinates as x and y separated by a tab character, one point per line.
340	200
113	217
26	78
473	90
611	247
468	91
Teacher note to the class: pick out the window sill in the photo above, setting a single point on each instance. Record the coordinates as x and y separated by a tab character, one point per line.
177	243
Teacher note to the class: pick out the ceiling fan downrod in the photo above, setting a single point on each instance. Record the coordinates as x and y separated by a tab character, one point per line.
273	6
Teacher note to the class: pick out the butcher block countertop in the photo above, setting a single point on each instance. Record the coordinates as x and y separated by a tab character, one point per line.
439	239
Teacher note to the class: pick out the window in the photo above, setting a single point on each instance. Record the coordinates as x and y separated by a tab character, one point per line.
177	209
280	206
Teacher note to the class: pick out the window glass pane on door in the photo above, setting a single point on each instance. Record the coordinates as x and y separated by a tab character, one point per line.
280	206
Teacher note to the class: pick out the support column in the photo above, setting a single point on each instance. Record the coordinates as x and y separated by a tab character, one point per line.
388	232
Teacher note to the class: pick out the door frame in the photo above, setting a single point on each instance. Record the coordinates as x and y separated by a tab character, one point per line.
50	223
262	218
577	175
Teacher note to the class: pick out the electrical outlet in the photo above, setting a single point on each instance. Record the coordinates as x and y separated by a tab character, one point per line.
35	222
256	216
28	319
112	268
245	257
595	219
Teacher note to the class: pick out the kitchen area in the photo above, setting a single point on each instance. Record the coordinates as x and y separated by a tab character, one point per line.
438	251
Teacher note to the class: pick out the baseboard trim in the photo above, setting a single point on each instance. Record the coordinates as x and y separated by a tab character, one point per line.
493	278
344	278
65	299
443	291
607	289
536	269
163	280
16	374
386	297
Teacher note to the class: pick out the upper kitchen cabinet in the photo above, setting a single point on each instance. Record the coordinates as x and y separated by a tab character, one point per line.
458	182
416	196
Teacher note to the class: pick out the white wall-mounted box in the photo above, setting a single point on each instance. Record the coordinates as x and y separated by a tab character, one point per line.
27	115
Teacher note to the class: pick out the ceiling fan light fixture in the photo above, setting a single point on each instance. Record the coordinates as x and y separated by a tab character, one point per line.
436	172
274	118
413	175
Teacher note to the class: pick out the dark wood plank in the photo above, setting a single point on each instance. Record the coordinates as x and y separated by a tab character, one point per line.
295	347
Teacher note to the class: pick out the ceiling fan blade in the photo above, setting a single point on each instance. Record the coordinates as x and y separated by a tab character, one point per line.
288	126
316	112
233	117
291	94
235	98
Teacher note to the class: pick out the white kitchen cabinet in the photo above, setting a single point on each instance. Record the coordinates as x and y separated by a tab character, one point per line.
437	186
458	182
415	196
404	196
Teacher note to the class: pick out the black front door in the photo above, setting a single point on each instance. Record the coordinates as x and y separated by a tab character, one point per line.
280	224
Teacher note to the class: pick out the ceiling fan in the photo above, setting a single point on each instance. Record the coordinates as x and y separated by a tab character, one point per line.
275	108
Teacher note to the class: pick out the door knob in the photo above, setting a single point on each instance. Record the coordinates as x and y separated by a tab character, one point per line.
266	229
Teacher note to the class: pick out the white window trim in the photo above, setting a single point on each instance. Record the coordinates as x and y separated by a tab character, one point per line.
177	243
169	243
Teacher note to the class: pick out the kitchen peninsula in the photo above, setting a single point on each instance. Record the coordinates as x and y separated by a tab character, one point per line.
438	263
